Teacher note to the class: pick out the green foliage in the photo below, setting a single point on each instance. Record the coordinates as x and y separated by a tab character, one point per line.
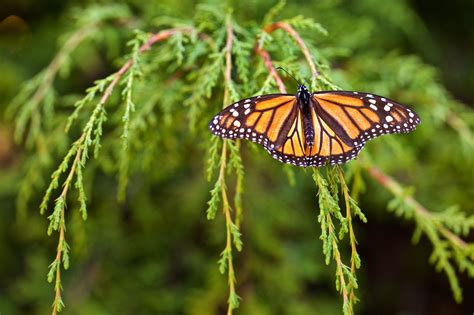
130	160
441	230
328	194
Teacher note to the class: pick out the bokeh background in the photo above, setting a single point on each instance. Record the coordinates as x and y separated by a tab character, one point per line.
155	253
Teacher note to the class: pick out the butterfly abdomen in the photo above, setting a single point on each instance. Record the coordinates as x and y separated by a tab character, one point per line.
308	129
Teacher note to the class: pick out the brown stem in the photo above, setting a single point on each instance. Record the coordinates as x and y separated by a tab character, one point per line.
228	61
268	63
228	53
290	30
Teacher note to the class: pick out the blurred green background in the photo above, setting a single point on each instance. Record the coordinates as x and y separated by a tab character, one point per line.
155	253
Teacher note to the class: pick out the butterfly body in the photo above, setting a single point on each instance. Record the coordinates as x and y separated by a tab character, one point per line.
313	129
303	99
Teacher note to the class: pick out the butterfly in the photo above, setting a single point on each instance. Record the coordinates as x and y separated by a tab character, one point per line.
313	129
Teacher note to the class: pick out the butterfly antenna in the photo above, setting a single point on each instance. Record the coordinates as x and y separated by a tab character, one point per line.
280	68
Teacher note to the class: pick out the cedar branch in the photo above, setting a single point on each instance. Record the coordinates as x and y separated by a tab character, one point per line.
394	187
80	145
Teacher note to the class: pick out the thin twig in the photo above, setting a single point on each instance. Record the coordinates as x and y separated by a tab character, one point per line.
290	30
268	63
228	52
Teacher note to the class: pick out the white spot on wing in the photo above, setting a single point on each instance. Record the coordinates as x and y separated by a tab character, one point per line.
236	123
389	118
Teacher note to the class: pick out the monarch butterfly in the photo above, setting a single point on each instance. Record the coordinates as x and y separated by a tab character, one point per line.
312	129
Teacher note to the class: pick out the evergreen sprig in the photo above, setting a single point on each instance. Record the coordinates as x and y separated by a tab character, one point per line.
328	195
231	162
75	159
128	83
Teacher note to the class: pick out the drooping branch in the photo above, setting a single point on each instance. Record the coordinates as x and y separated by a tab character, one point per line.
396	189
448	248
80	149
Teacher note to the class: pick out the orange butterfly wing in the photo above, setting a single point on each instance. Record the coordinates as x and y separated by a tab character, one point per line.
342	122
263	119
359	117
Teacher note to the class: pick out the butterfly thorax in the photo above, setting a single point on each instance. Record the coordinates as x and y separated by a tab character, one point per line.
304	102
